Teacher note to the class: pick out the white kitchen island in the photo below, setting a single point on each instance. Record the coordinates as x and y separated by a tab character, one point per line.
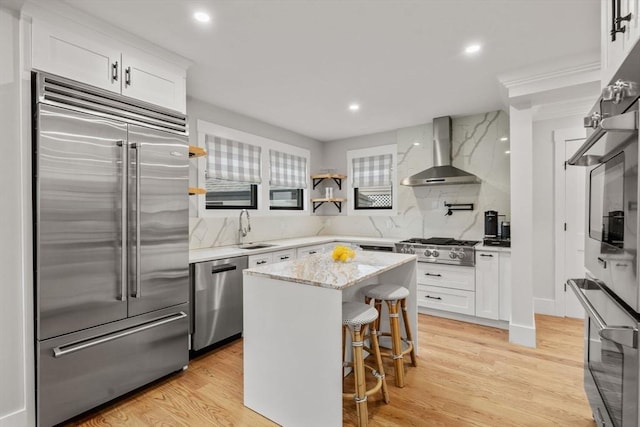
293	331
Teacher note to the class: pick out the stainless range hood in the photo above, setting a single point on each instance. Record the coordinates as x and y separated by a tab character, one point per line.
442	172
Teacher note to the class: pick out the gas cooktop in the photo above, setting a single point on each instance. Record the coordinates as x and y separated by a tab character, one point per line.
440	250
448	241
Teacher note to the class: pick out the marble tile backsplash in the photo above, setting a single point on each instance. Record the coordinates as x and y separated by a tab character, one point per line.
480	146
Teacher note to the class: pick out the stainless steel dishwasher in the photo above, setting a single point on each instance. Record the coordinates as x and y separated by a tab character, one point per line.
217	300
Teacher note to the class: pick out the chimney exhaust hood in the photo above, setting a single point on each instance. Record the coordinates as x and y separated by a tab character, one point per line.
442	172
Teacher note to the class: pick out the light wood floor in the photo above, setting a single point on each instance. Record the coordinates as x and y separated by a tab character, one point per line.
468	375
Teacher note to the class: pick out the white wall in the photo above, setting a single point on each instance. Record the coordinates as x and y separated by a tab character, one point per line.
16	314
479	145
543	205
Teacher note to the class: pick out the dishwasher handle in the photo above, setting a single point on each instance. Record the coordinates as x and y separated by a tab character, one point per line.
222	268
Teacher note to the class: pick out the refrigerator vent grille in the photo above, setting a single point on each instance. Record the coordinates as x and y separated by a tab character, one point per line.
62	92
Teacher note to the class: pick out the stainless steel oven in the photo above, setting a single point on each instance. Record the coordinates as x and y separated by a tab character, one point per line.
611	355
611	293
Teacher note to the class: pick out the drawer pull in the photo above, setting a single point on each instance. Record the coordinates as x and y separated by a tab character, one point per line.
432	274
282	258
488	255
312	252
261	262
430	297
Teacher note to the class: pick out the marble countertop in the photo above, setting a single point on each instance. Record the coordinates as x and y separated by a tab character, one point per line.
321	270
492	248
220	252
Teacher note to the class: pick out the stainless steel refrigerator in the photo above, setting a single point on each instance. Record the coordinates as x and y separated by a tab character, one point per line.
110	245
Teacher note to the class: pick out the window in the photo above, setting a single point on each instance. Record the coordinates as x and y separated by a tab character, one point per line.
287	179
233	174
370	187
371	182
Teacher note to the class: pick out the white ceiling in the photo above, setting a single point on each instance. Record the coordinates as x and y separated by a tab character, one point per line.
299	63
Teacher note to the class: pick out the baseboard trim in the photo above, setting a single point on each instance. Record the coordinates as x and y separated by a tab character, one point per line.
502	324
524	335
544	306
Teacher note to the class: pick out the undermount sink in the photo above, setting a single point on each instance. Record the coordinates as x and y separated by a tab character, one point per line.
255	246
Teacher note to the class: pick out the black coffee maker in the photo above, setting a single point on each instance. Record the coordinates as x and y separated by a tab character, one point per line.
491	224
494	236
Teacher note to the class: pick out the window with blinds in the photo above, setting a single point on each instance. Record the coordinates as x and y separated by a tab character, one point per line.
287	180
371	182
232	175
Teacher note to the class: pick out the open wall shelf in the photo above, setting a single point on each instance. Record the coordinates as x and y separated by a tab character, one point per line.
336	177
196	151
196	190
320	201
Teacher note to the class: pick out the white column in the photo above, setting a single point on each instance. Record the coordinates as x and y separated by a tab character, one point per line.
16	298
522	329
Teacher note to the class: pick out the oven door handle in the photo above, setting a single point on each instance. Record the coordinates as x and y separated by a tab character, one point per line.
623	335
627	122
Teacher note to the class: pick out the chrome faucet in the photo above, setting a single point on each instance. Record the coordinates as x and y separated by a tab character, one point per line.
243	231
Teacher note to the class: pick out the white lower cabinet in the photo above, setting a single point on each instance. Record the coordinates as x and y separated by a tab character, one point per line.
449	276
259	260
447	299
310	250
505	285
285	255
487	285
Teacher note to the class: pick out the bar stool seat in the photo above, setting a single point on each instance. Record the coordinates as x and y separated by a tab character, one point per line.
356	318
396	298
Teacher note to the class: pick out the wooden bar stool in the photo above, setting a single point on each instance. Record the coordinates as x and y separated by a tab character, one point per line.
395	296
356	317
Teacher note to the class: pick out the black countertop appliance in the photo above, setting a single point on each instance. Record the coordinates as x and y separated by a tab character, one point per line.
491	224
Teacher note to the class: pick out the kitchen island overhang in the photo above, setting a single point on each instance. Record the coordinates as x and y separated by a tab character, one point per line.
293	331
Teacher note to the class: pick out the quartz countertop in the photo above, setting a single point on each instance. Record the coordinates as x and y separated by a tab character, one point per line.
321	270
220	252
493	248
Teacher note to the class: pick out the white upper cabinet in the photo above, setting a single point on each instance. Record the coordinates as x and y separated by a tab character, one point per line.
99	62
151	80
615	47
59	51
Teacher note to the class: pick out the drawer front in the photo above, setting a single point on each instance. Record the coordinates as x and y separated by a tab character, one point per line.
286	255
258	260
83	370
446	299
447	276
310	250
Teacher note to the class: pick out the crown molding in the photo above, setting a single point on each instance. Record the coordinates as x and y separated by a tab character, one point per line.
511	81
572	107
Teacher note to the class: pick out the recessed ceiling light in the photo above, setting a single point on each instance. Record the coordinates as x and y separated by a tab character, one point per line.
507	152
504	138
416	143
354	107
202	17
472	48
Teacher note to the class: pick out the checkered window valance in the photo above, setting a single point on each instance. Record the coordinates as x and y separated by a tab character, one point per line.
372	171
230	160
287	170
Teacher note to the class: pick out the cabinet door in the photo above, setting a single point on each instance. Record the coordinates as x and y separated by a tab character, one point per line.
487	285
505	286
76	57
259	260
612	52
285	255
446	276
153	80
446	299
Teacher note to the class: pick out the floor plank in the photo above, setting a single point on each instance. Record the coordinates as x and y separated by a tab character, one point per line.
468	375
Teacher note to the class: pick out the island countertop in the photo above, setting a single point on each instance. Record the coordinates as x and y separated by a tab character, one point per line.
321	270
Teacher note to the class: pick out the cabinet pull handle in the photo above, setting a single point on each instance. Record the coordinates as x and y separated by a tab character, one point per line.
261	262
430	297
284	257
489	255
312	252
127	76
621	264
114	72
603	262
431	274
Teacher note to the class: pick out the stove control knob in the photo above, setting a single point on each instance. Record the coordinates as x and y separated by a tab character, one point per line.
412	250
427	253
435	253
452	255
461	255
405	249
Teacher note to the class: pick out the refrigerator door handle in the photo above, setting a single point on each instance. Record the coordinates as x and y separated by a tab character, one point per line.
123	218
137	147
72	348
